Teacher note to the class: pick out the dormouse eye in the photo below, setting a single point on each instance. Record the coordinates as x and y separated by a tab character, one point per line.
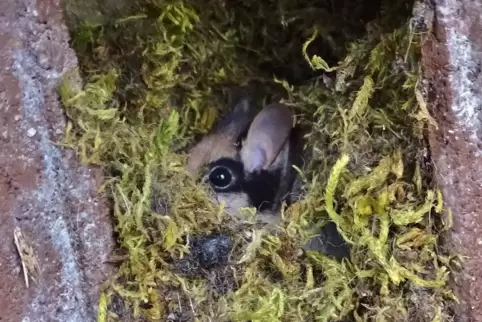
221	177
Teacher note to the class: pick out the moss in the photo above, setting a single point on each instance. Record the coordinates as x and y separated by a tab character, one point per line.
157	76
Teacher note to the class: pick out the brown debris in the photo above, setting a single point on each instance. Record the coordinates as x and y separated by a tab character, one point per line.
27	257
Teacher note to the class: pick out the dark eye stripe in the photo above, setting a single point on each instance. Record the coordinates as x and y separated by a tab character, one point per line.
261	188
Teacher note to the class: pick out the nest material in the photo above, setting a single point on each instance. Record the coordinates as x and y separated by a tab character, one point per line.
156	79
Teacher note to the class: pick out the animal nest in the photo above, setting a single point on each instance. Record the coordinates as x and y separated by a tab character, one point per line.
158	74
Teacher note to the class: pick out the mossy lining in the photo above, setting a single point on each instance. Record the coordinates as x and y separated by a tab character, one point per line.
157	77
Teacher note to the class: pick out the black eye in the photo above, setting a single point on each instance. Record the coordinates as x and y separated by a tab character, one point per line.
221	177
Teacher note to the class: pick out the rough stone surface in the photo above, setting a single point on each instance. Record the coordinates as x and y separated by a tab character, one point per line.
44	191
452	69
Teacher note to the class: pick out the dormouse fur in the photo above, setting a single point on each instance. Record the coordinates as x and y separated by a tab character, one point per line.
257	150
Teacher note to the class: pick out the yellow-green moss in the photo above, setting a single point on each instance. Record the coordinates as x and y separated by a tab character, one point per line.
156	77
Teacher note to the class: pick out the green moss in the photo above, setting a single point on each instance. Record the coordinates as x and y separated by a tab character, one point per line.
156	77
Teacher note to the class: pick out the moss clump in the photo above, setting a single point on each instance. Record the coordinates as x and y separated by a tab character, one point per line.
157	77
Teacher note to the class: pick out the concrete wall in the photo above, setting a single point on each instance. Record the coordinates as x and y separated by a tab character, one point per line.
452	59
44	191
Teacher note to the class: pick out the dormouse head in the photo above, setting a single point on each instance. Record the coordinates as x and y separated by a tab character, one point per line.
246	159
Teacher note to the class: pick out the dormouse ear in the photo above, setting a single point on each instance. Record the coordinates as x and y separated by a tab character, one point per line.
266	136
237	120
